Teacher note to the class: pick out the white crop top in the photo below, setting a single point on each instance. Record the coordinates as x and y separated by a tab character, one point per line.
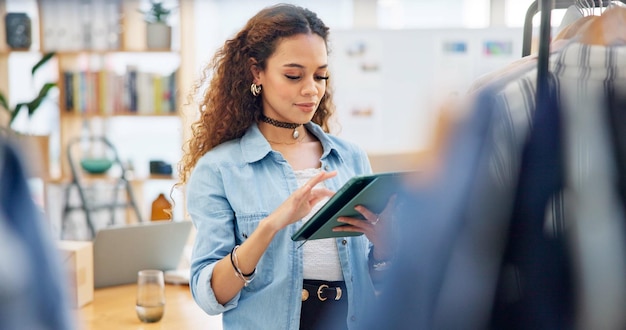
321	257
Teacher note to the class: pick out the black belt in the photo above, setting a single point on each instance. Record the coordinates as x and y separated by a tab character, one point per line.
323	290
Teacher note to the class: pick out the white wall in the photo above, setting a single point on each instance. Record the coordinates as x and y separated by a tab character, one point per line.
412	14
218	20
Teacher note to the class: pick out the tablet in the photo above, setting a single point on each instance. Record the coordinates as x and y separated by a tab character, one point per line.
372	191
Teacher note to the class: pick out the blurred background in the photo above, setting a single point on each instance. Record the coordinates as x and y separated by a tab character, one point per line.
394	63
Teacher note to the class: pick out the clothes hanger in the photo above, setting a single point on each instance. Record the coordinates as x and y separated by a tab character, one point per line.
582	6
576	17
607	29
534	8
572	14
570	31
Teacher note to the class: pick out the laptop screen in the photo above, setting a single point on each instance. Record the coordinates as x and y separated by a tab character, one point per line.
121	251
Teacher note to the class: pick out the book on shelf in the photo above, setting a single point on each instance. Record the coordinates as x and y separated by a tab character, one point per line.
105	92
131	89
157	94
68	87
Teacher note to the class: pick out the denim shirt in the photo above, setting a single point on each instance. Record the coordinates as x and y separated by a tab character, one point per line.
231	189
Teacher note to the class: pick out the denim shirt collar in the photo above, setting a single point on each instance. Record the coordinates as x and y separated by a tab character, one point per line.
255	147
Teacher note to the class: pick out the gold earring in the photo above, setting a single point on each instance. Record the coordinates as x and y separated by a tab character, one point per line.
255	89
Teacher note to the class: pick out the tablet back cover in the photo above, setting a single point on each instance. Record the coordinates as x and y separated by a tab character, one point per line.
373	191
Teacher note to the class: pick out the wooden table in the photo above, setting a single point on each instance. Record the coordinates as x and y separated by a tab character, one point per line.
114	308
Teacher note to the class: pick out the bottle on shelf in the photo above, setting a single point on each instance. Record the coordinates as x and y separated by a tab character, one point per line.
161	208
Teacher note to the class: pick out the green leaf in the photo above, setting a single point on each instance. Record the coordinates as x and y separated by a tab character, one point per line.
42	61
16	111
4	103
157	13
35	103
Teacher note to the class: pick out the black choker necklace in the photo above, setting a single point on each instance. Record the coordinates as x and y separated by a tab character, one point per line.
282	124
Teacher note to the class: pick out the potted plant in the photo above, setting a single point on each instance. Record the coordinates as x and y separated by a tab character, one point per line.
36	147
158	31
33	104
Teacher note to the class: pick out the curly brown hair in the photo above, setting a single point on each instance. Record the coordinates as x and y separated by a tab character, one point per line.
227	107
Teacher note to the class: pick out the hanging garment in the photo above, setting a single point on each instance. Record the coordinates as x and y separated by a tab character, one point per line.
532	259
588	75
33	292
455	271
423	286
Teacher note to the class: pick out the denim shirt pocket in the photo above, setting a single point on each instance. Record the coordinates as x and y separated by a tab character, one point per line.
246	225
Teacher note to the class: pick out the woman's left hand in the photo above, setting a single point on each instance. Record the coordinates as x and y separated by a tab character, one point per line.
377	227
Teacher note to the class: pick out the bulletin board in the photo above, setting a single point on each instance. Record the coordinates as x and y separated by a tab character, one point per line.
389	84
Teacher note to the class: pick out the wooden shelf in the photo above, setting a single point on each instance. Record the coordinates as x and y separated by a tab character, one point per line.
132	47
115	51
80	116
106	177
9	51
151	177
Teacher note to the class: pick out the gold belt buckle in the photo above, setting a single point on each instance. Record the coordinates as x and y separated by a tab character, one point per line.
338	294
324	286
319	292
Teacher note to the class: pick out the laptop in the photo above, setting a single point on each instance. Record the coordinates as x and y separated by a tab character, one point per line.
121	251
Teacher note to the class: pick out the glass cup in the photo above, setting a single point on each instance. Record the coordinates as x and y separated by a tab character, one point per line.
150	295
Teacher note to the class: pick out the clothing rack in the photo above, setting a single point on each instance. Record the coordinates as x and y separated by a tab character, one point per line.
548	138
544	47
533	9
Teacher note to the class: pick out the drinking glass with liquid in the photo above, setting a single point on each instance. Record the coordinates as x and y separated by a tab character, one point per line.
150	295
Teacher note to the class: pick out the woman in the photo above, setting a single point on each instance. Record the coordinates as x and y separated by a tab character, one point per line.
259	163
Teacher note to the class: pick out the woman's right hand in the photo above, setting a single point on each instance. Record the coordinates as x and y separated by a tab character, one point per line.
301	201
224	283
